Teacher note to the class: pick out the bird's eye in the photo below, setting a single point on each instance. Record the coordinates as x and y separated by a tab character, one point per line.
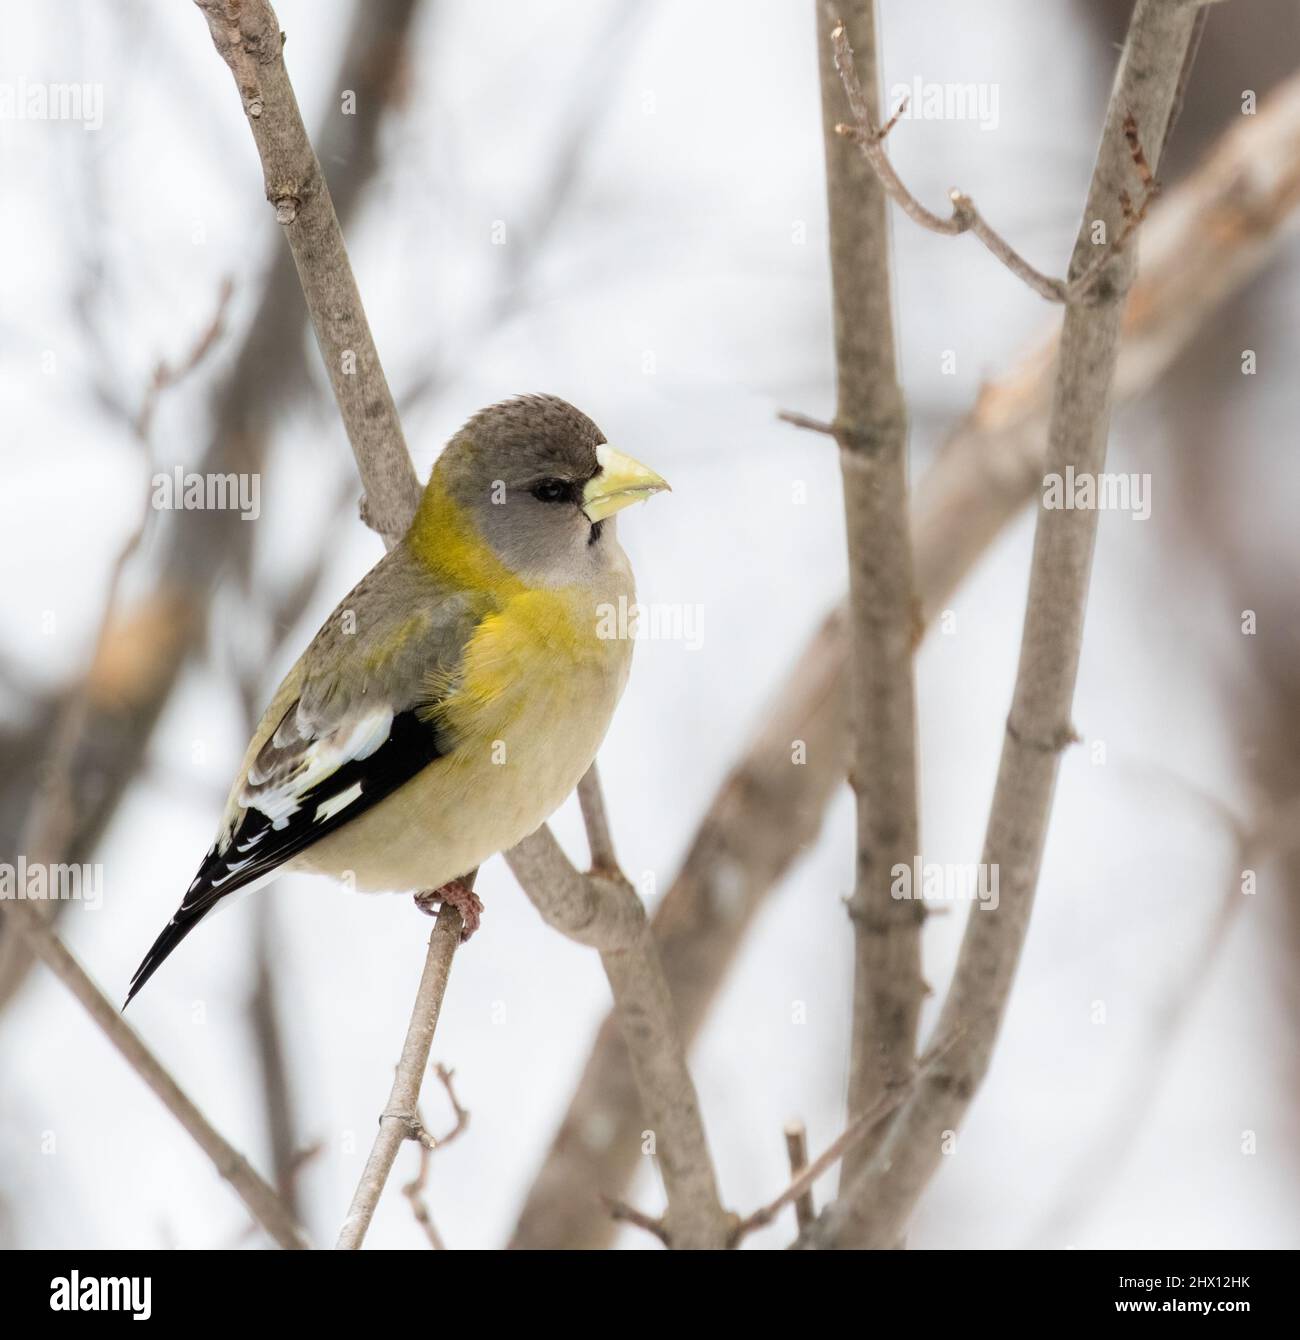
553	490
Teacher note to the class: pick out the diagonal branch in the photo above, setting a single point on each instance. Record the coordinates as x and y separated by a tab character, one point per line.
262	1202
601	909
875	1207
164	627
248	38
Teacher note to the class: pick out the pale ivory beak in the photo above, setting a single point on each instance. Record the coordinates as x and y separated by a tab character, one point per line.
621	482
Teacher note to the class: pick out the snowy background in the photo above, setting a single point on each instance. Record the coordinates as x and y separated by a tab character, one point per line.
679	296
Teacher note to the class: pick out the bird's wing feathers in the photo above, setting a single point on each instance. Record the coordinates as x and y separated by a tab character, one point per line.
354	720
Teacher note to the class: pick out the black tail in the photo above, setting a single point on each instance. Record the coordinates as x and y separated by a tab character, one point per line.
173	933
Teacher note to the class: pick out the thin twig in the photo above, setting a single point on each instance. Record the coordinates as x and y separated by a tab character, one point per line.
806	421
401	1118
804	1179
247	36
796	1148
965	217
414	1190
603	911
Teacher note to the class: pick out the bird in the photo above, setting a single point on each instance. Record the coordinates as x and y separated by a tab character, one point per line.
458	693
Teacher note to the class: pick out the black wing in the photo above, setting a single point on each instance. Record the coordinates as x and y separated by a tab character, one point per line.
257	845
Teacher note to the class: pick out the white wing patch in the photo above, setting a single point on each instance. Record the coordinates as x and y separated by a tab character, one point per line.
318	759
327	809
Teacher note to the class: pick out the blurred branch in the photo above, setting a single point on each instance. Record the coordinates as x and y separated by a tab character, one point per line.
156	637
796	1148
871	431
262	1202
1275	832
268	1035
873	1209
1205	241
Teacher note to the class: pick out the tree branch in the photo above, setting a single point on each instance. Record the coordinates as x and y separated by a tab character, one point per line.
262	1202
875	1207
401	1116
248	38
601	909
871	429
165	627
965	218
1205	241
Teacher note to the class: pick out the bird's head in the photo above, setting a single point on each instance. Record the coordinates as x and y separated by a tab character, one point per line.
534	481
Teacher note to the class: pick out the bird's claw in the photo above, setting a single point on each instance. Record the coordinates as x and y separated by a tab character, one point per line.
459	895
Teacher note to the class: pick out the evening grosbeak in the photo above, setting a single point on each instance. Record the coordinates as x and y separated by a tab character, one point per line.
459	692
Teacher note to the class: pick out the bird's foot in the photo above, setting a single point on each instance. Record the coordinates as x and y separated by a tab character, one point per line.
459	895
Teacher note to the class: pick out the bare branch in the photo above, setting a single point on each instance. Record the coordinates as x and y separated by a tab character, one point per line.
850	1138
965	218
401	1117
806	421
165	628
621	1212
248	38
796	1148
414	1189
1205	241
262	1202
875	1207
871	429
603	911
600	841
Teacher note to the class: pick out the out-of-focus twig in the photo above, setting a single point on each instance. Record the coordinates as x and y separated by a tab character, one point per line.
415	1189
796	1148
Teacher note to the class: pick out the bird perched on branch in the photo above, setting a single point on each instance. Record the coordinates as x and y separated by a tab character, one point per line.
459	692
